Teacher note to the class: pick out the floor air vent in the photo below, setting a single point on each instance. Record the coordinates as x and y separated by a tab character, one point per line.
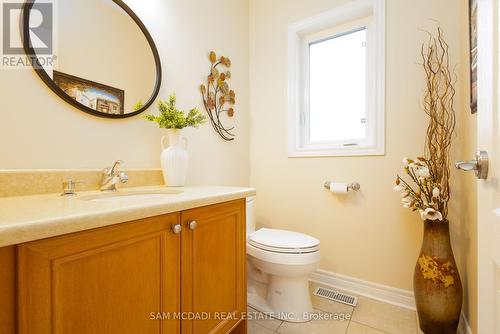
336	296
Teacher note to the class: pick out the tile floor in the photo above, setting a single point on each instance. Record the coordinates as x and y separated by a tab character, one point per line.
368	317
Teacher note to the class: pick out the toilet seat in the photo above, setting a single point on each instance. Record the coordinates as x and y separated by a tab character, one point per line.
283	247
281	241
283	258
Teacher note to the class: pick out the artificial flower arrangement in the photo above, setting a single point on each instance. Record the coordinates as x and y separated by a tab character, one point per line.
436	281
430	174
428	197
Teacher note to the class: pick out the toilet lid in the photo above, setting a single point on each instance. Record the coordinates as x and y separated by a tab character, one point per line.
282	241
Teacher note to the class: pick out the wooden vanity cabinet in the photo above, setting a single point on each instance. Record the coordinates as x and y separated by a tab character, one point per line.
116	279
213	267
106	280
8	290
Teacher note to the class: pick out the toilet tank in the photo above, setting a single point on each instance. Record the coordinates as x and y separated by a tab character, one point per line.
250	216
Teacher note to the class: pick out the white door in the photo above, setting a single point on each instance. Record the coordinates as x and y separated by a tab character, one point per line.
488	195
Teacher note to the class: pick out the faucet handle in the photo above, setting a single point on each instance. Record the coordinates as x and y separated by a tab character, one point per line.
69	187
116	164
108	171
123	177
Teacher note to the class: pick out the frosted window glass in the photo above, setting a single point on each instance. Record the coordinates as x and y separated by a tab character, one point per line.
337	93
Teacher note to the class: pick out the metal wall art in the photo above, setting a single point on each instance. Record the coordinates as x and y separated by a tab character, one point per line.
218	98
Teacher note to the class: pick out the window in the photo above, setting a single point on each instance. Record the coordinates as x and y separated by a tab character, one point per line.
337	88
336	72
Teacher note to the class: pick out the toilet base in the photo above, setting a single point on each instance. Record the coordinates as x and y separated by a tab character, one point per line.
278	283
291	296
283	298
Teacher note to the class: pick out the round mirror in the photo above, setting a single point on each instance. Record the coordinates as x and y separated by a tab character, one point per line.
102	58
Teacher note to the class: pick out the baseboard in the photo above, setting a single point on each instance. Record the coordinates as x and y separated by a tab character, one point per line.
383	293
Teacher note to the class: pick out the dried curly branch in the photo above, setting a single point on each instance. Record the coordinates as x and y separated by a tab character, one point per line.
431	173
439	106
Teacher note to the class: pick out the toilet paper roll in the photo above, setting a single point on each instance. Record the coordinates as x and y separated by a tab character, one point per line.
339	188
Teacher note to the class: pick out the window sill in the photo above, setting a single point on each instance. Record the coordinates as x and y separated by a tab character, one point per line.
339	152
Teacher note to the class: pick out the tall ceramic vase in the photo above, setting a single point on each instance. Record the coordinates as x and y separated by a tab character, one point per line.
174	158
436	282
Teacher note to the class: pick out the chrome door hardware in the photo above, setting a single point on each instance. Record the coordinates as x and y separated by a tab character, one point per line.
479	165
192	225
176	229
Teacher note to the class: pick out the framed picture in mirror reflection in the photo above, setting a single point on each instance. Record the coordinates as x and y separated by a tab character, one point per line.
94	95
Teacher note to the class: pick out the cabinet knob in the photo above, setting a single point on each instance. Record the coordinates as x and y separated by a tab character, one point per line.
176	229
192	225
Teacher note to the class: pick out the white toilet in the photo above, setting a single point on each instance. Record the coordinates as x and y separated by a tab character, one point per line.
279	265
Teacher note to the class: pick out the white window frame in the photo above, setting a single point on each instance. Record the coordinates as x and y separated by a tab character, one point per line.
342	20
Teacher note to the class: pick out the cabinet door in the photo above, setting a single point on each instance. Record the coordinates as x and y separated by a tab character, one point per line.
213	262
108	280
8	290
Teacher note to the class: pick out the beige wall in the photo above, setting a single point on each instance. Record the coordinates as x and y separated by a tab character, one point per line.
38	130
367	235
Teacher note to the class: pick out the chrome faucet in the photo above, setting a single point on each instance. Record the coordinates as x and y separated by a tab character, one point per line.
111	176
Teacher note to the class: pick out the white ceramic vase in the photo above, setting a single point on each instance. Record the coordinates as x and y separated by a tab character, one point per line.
174	158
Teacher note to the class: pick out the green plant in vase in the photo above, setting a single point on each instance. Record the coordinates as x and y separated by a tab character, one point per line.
174	157
172	118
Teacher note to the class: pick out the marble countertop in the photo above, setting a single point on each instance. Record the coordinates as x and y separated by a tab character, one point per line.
28	218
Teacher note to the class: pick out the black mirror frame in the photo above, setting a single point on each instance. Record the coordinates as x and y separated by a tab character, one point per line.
30	52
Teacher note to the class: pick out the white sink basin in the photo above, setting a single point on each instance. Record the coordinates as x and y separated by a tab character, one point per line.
131	195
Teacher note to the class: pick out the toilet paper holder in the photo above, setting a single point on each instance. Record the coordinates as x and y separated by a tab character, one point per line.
354	186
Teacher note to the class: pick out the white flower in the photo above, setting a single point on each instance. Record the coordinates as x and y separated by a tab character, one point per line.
399	187
422	172
421	161
431	214
406	200
435	192
406	161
